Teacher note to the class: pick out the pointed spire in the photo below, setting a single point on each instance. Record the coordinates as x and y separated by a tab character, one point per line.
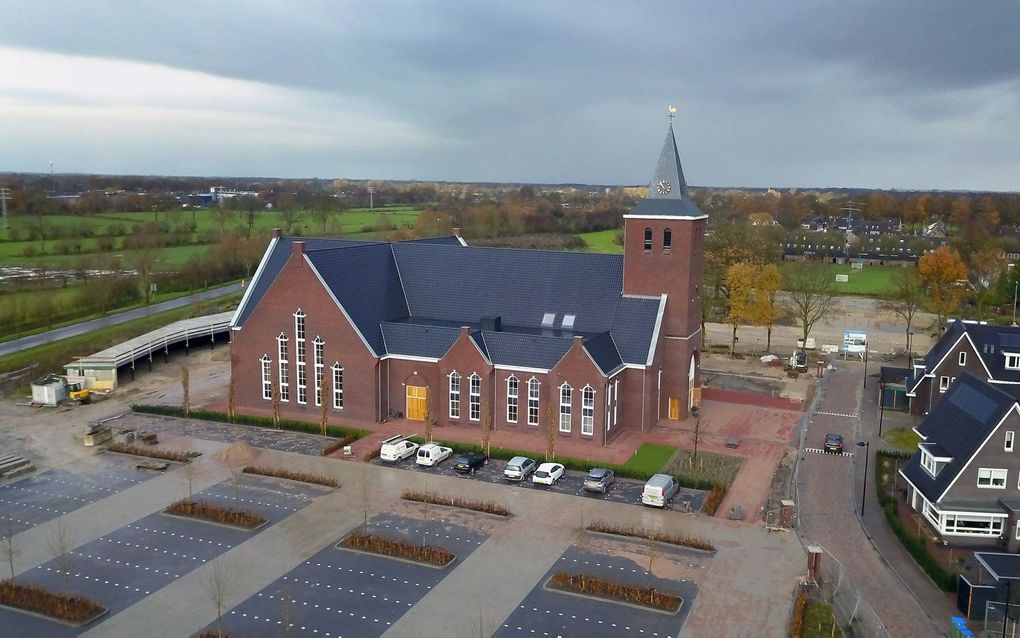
667	192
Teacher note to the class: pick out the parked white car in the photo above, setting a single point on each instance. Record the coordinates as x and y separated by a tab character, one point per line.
397	448
547	473
431	454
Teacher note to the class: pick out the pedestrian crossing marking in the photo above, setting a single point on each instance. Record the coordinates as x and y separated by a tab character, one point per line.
843	414
816	450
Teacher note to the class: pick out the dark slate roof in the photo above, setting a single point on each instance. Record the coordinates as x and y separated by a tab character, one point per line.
417	340
526	350
275	261
938	351
604	352
632	327
446	240
676	202
991	342
958	424
364	280
1000	566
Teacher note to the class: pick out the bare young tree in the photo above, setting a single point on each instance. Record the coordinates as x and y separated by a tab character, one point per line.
323	405
426	516
189	474
696	436
811	293
231	399
61	542
905	298
186	391
276	406
286	609
551	423
365	494
10	548
431	420
486	425
290	217
219	581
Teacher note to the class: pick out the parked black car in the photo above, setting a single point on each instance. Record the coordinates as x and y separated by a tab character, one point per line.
469	462
599	479
833	444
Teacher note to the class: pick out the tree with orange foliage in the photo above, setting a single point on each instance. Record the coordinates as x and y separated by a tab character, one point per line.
945	275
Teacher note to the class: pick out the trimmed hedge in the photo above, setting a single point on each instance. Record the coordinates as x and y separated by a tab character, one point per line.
916	547
247	419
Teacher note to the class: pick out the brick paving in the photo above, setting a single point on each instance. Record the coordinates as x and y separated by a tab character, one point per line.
828	509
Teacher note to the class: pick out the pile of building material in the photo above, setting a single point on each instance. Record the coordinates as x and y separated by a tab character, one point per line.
11	466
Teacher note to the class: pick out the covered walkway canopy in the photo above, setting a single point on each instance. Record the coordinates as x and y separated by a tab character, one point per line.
99	371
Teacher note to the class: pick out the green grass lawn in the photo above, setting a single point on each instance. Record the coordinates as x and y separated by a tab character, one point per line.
872	280
818	621
650	458
902	439
601	241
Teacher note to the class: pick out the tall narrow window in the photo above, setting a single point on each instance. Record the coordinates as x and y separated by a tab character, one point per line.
338	386
1009	441
267	377
667	240
474	397
299	355
963	358
566	394
648	240
320	367
454	395
588	410
284	368
512	395
533	386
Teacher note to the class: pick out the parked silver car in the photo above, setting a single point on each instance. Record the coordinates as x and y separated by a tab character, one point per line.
518	468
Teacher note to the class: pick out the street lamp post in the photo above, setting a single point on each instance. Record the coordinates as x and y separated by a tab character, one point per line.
865	366
881	405
864	492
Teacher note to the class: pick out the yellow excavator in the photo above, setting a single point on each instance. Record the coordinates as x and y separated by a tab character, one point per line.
78	394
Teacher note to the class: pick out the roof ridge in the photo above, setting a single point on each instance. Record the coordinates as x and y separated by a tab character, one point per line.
400	278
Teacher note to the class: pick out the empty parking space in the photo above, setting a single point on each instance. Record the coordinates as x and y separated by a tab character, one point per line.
225	433
125	566
338	593
552	613
622	491
36	499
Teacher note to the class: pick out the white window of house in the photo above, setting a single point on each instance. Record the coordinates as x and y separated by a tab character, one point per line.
549	319
267	377
454	397
320	367
963	358
338	386
566	394
1009	441
1018	530
1013	361
616	398
588	410
284	367
928	463
943	384
512	396
474	397
971	524
568	321
302	383
992	478
299	334
533	389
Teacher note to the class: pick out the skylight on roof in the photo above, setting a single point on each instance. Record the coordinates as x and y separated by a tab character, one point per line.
549	319
568	321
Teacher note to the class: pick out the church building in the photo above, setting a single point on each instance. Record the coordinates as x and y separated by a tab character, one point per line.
590	344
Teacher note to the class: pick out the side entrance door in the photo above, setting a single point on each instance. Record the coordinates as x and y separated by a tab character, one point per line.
416	396
674	408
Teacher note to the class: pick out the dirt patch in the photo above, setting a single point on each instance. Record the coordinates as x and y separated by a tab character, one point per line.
782	486
239	454
742	383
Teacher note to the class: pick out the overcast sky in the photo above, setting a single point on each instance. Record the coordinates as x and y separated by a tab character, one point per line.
868	94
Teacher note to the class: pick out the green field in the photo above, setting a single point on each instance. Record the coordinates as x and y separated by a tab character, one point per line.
601	241
871	281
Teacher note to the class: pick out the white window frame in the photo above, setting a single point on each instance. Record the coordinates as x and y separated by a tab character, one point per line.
1008	446
963	359
338	385
566	398
267	377
943	384
513	399
1012	361
302	383
928	463
283	367
588	410
534	396
453	398
995	478
318	360
1018	530
568	321
474	397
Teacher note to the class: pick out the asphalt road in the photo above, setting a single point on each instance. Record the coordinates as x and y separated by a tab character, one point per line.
85	327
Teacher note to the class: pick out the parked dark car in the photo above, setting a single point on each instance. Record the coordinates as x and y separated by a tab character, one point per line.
469	462
599	479
833	444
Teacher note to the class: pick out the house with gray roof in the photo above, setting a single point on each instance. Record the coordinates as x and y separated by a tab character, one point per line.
588	345
964	480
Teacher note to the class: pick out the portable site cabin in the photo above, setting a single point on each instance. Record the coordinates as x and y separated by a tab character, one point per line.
49	391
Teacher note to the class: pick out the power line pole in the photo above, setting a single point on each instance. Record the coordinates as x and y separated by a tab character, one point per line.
371	192
5	194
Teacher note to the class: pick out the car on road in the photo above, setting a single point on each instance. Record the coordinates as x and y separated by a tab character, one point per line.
660	490
469	462
518	468
599	479
431	454
397	448
833	444
547	473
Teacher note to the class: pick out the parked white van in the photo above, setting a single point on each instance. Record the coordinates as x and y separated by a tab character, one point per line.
431	454
397	448
659	491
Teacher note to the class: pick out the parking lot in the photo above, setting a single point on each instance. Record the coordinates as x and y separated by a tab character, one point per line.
36	499
622	491
552	613
123	567
339	593
225	433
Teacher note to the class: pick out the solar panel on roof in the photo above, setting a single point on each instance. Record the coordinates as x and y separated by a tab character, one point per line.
974	402
1009	340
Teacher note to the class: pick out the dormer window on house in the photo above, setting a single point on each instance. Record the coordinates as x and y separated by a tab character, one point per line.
931	463
1012	361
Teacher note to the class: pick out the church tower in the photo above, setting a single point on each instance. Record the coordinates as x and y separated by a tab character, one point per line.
664	238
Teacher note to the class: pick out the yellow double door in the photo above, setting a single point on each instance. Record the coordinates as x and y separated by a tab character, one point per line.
417	397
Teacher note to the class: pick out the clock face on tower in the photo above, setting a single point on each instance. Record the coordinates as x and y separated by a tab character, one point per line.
663	187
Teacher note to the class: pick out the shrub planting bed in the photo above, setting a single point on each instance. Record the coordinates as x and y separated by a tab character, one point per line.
165	455
488	507
598	587
329	448
275	472
713	500
204	510
705	472
76	610
428	554
246	419
652	535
